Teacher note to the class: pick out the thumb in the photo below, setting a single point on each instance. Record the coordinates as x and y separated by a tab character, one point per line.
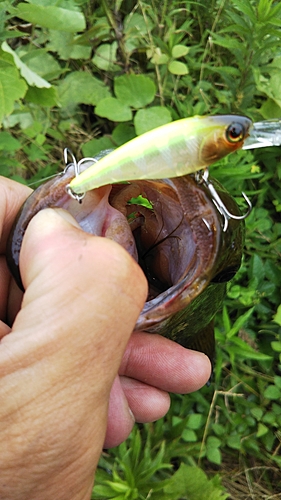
87	288
83	296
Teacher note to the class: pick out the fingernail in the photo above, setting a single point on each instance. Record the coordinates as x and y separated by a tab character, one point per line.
131	414
65	215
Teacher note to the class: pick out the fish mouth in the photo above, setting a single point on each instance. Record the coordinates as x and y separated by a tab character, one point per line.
173	229
176	241
177	238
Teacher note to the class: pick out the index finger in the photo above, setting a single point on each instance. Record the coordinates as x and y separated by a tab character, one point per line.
162	363
12	196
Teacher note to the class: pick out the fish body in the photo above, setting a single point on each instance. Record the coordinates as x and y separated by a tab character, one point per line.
179	243
175	149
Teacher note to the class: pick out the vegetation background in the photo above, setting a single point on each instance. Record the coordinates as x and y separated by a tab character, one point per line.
92	75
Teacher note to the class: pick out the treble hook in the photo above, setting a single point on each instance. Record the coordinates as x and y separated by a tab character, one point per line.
77	169
203	178
67	152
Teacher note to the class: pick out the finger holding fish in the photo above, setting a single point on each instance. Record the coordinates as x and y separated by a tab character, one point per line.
179	243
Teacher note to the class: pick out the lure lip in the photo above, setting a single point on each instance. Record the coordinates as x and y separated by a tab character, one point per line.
265	133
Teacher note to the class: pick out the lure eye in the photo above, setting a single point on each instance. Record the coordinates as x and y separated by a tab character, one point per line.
235	132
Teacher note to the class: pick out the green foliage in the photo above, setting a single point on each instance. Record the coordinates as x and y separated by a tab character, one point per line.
93	75
139	467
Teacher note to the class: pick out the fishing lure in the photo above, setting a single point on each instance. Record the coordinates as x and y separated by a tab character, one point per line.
173	150
264	134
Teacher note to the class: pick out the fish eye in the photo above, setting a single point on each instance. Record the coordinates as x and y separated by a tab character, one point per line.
235	132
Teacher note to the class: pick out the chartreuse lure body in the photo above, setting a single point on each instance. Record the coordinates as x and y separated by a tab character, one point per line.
175	149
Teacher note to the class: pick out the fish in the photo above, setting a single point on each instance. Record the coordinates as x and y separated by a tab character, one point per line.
172	150
177	238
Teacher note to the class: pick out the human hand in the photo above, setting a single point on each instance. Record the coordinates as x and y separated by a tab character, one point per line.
62	354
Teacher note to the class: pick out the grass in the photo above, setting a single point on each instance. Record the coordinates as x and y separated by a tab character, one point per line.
74	83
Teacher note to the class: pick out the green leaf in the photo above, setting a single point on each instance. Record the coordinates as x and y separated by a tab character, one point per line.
29	75
81	87
52	17
246	8
194	421
270	86
150	118
119	487
33	130
42	63
270	109
178	68
189	436
42	97
95	146
272	392
8	142
179	51
244	350
276	346
257	412
250	353
241	321
12	87
22	118
192	483
213	442
219	429
262	430
257	267
65	45
135	26
234	441
272	272
277	381
105	57
270	418
277	316
134	90
143	202
103	491
214	455
123	133
156	56
226	319
35	153
233	45
113	109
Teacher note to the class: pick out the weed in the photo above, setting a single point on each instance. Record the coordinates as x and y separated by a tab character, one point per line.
96	74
